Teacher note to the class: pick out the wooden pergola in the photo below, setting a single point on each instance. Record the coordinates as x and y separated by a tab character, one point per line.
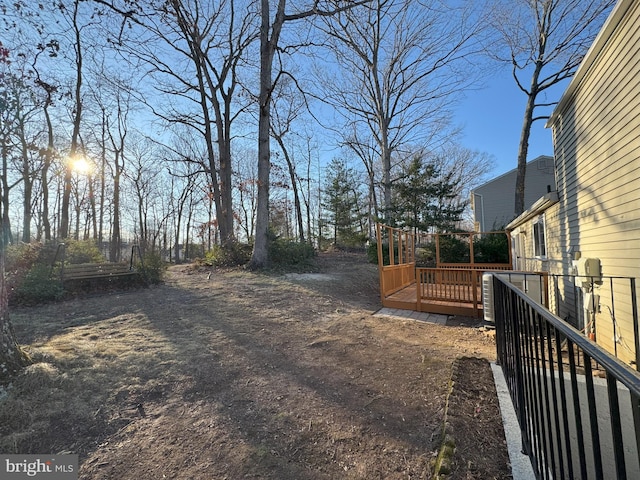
445	288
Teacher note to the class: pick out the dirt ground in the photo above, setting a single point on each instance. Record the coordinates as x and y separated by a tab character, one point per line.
232	374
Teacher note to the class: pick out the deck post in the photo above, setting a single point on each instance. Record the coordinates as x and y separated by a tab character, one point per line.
474	290
392	256
418	279
380	260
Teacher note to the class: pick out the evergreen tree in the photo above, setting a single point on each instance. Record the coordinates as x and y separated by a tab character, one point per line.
412	193
341	203
446	208
425	199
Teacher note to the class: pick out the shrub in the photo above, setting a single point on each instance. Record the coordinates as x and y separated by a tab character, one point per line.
426	255
491	248
283	253
372	253
231	255
20	259
152	267
82	251
37	287
22	256
453	249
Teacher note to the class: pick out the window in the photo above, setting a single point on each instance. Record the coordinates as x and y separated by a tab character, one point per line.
539	243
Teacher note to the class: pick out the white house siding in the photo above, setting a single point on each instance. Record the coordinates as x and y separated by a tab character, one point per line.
597	146
563	299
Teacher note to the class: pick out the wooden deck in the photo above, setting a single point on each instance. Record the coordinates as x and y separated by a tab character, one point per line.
447	288
407	299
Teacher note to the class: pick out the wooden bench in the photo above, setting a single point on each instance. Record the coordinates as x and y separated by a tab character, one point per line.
88	276
92	277
87	271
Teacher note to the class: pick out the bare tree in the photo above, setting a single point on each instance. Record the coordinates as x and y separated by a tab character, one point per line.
117	129
544	41
146	182
29	166
21	160
9	128
290	101
11	357
466	169
245	174
213	39
366	150
76	28
402	61
48	153
52	35
469	168
270	31
307	194
184	184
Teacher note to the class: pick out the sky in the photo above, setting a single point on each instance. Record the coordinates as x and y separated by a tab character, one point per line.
491	121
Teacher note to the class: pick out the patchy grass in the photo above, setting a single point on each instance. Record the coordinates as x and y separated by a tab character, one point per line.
235	375
86	382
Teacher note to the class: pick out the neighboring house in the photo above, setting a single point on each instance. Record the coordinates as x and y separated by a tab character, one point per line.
493	203
595	212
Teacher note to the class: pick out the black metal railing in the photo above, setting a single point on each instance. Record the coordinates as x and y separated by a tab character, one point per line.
577	405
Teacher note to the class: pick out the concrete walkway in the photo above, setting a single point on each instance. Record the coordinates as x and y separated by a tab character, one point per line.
410	314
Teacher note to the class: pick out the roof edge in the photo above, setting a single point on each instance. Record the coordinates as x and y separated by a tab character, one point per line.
537	208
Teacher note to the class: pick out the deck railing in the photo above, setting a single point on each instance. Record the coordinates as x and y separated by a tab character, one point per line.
456	284
396	277
476	266
574	424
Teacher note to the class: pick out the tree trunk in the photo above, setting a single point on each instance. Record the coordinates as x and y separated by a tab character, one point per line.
92	204
260	255
27	181
386	174
294	185
75	135
115	252
226	194
102	179
176	240
12	358
523	149
45	171
5	222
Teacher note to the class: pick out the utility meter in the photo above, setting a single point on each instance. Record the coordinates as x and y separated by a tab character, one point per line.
589	267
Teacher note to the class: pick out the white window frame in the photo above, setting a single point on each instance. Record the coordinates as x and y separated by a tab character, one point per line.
519	252
540	237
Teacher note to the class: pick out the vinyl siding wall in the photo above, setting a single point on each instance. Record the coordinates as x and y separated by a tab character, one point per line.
494	202
597	147
562	302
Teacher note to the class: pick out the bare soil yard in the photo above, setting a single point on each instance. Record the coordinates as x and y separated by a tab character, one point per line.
247	375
